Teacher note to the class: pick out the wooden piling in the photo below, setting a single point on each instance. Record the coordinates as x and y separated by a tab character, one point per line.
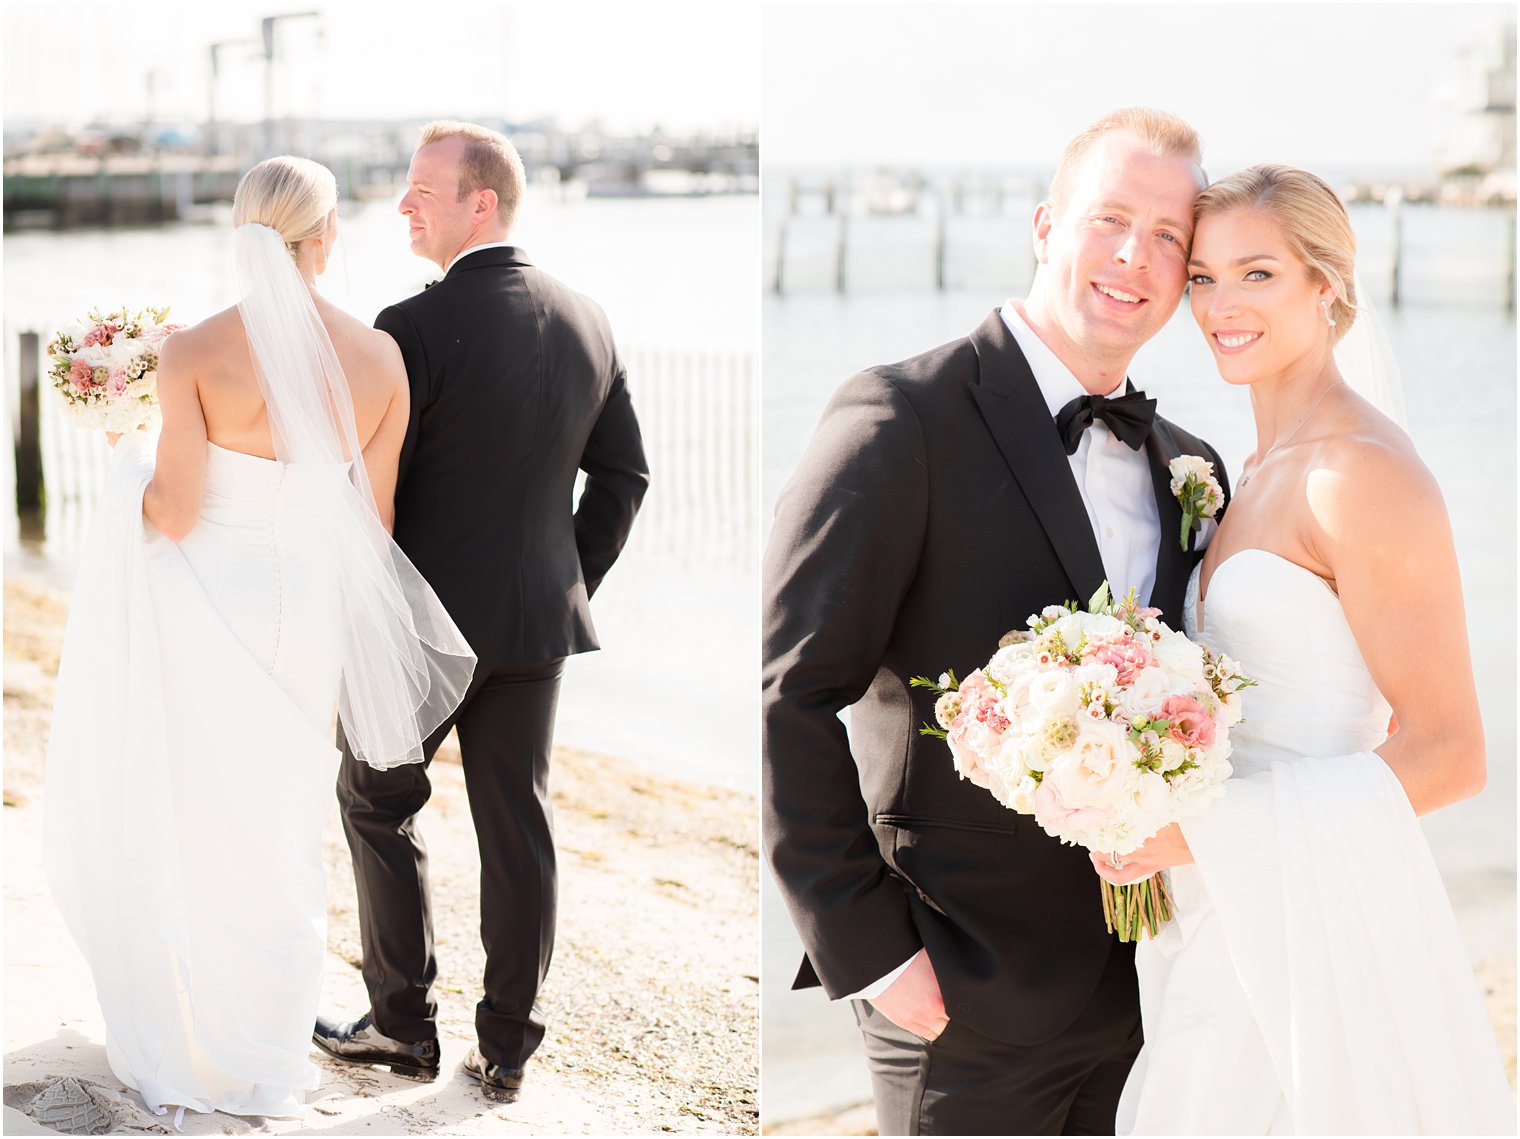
781	258
1509	265
939	244
842	252
28	429
1394	202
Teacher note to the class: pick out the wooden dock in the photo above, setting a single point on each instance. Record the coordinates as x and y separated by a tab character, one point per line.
65	191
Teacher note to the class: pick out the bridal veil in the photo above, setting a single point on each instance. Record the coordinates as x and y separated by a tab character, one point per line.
405	665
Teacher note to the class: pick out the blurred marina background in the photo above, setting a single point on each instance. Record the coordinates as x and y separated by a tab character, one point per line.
904	153
638	130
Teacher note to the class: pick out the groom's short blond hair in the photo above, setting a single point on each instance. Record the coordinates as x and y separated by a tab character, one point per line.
1161	133
489	162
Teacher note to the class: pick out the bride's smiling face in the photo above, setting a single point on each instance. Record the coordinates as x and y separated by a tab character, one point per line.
1258	304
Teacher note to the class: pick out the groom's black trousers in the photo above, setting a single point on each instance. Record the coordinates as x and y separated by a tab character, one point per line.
506	732
963	1083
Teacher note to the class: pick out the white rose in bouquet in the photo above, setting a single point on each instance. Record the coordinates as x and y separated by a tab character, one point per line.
1053	692
1146	692
1100	626
1152	796
1016	796
1017	755
1008	662
1182	658
1084	785
1071	629
1173	754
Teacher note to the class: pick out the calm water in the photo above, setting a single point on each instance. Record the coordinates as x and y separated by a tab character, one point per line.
677	280
1458	365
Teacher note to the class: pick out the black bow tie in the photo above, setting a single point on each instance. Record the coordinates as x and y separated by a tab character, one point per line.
1129	417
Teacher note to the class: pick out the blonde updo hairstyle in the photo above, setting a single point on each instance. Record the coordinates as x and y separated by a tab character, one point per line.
296	197
1312	219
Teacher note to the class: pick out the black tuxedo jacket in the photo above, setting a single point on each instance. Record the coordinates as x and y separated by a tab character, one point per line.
515	385
933	511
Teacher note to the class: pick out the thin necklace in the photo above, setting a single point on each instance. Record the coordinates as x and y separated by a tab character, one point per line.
1262	461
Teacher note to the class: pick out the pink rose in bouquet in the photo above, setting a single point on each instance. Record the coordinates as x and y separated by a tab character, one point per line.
81	375
976	727
1052	811
1126	654
102	334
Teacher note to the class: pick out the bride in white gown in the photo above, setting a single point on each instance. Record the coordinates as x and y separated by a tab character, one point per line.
1313	980
237	585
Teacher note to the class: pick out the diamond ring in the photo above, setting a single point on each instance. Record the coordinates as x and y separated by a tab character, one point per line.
1115	861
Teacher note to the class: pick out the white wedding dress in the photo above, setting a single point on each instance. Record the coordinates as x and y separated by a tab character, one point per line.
190	770
1313	980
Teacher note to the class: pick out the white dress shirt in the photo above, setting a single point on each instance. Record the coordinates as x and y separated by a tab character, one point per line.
1113	479
1115	484
474	249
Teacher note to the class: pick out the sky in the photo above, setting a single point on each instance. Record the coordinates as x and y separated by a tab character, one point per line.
682	66
1343	87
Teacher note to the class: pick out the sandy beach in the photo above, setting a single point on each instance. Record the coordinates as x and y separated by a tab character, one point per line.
652	999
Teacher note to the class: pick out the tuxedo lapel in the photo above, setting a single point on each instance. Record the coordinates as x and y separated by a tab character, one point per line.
1014	411
1173	563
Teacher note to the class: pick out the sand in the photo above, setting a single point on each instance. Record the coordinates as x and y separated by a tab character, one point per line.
652	998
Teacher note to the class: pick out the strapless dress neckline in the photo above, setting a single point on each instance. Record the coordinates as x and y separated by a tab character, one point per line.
1197	599
1287	630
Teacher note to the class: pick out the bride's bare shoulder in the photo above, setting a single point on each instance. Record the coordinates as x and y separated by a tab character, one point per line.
205	344
1365	451
1369	484
365	351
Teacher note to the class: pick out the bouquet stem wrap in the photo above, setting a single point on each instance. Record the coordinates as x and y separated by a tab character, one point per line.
1136	909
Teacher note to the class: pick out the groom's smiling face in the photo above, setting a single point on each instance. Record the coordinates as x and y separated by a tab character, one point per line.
439	222
1113	254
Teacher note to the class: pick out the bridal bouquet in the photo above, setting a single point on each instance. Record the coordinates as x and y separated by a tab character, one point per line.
1104	725
105	367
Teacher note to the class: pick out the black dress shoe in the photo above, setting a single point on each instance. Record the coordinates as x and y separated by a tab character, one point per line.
359	1042
500	1084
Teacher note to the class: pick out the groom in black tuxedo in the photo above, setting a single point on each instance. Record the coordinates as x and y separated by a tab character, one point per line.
941	501
515	385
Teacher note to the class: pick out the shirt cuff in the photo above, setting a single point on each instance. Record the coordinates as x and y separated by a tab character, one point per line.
876	988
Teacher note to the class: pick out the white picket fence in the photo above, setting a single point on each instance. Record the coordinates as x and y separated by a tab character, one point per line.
699	413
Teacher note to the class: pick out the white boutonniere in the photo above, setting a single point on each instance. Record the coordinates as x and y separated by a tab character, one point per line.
1196	490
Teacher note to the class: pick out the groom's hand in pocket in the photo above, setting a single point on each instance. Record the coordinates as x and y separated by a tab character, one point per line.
913	1001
